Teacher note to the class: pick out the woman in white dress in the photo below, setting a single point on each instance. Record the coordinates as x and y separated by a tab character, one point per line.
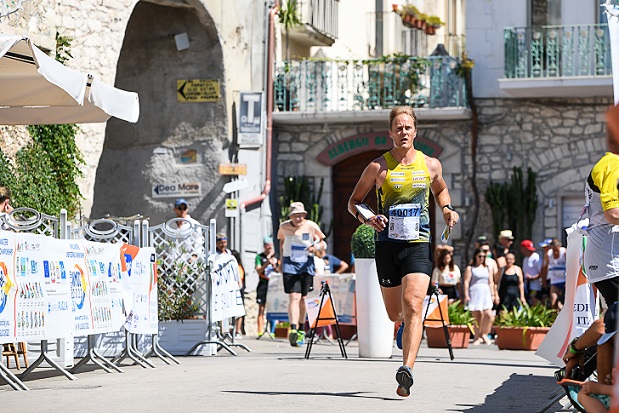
479	295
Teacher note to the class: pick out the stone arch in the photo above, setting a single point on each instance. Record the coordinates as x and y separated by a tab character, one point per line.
138	156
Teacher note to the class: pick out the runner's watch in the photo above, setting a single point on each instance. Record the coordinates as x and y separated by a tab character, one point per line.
448	206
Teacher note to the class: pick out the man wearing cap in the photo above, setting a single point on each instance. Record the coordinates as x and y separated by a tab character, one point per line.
531	267
298	240
221	243
404	179
192	247
601	260
266	263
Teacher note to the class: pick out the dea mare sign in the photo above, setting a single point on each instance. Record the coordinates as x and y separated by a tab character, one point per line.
175	190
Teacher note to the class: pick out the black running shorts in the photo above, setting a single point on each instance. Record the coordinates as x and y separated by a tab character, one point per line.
396	259
298	283
261	291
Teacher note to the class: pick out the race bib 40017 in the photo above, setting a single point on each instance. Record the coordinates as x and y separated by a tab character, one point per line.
404	221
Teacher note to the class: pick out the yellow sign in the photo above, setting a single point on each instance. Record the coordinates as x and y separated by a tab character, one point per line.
232	169
197	90
232	208
232	203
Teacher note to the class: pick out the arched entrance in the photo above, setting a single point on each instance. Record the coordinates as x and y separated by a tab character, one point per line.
345	174
139	157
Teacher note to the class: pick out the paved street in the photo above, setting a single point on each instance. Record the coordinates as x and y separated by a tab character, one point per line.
275	377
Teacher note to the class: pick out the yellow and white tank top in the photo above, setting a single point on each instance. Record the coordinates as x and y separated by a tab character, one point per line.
403	198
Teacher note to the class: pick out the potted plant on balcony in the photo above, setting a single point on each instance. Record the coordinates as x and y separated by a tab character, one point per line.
289	17
374	329
459	328
433	23
524	327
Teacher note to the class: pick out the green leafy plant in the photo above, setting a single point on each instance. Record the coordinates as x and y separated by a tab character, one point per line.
513	204
434	21
289	18
526	316
175	289
362	242
458	316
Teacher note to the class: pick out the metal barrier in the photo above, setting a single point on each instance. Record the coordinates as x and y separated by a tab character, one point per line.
106	231
183	283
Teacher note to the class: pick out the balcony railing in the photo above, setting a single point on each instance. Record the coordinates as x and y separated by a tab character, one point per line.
330	86
557	51
322	15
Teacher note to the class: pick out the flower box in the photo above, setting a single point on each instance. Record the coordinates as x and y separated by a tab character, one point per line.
520	338
459	336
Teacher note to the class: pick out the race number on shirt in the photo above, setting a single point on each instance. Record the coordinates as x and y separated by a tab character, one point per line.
404	221
298	253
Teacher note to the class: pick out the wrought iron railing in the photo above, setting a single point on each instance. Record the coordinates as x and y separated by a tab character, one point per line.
557	51
322	15
328	86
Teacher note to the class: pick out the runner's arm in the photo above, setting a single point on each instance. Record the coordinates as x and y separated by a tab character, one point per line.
366	182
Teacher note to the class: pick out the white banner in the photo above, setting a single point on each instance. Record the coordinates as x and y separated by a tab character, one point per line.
226	299
141	270
51	288
342	288
580	308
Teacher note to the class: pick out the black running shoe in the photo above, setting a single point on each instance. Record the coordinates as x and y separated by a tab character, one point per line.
404	377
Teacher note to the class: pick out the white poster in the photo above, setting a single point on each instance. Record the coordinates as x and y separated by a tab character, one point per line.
105	288
250	119
8	288
141	272
342	287
226	301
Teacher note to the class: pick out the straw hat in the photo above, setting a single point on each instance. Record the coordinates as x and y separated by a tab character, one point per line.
506	233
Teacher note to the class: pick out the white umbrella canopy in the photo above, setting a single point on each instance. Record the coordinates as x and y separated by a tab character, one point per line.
35	89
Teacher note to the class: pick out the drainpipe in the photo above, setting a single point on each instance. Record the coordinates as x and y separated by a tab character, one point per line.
269	126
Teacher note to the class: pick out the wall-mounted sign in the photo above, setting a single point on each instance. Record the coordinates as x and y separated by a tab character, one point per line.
232	169
176	189
232	208
187	156
364	142
250	120
197	90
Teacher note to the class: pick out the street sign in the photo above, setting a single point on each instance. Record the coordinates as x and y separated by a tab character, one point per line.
197	90
232	208
250	119
235	185
232	169
176	189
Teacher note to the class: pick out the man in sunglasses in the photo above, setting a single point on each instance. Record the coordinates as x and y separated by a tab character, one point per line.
192	247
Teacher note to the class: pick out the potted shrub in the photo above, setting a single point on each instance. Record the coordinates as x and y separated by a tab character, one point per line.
459	328
282	329
374	329
433	23
524	327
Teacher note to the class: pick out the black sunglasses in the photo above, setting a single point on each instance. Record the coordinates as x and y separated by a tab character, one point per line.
182	208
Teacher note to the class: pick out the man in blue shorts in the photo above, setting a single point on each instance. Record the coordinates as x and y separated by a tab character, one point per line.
403	179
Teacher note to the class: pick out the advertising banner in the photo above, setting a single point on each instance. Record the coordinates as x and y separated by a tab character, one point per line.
342	288
8	289
580	308
141	272
226	294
